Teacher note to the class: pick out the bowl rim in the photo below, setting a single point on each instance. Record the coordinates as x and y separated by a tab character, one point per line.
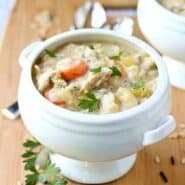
98	119
169	13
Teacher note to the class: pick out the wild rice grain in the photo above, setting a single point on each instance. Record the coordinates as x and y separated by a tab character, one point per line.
163	176
172	160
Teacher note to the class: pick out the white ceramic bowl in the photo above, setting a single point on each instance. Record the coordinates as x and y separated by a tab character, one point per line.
165	30
94	138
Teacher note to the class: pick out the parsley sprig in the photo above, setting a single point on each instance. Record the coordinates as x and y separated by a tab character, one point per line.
50	53
115	71
49	174
91	46
89	102
96	70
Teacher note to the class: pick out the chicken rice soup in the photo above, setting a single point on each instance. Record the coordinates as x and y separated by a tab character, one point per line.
95	77
176	6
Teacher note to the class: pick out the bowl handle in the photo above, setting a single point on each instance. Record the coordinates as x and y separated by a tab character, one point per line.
27	51
159	133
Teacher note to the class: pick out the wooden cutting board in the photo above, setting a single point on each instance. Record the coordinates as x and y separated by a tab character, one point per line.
112	3
13	133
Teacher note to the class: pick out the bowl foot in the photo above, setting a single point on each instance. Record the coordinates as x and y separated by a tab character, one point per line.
93	172
176	70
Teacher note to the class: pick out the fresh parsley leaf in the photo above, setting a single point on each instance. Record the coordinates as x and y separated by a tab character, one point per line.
52	172
30	164
62	181
28	154
91	105
117	56
51	169
32	179
91	96
91	46
48	174
115	71
31	144
96	70
139	84
90	102
50	53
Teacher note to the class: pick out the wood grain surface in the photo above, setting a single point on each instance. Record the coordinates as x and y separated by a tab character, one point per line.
112	3
13	133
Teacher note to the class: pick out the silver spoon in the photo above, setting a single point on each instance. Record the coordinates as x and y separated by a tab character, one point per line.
81	15
98	16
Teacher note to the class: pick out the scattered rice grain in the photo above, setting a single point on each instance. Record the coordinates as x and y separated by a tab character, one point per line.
183	161
182	125
157	159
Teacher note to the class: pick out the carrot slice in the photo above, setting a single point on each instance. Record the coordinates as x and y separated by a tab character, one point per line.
74	71
47	95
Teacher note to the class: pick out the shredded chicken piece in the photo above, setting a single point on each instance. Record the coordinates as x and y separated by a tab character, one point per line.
43	79
95	80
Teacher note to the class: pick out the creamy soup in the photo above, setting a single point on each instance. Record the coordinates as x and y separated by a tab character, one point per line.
95	77
177	6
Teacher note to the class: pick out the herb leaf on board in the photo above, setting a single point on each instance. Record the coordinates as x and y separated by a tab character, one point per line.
49	174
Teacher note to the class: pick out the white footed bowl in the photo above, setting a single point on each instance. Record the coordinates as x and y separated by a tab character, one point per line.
165	30
97	148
